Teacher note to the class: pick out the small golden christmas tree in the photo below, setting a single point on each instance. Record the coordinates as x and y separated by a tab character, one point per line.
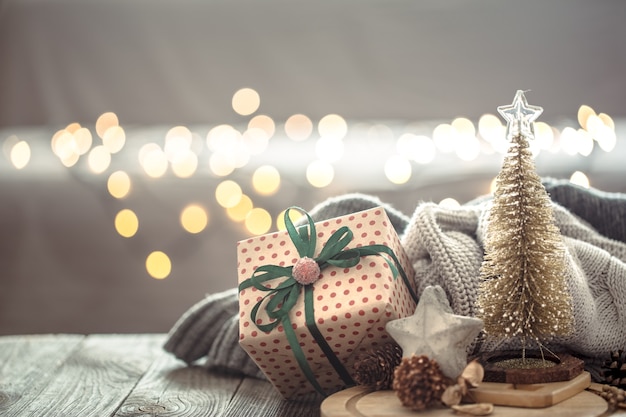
523	292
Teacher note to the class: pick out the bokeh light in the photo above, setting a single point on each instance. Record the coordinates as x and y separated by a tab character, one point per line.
298	127
329	149
153	160
83	140
332	126
580	178
258	221
584	112
239	211
320	173
449	202
114	139
228	193
246	101
294	216
266	180
264	123
194	218
104	122
397	169
119	184
444	136
126	223
185	164
220	166
158	265
20	154
418	148
99	159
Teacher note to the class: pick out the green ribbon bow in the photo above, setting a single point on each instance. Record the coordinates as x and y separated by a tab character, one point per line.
280	300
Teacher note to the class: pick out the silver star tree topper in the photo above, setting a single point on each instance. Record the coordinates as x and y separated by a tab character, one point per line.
520	116
435	331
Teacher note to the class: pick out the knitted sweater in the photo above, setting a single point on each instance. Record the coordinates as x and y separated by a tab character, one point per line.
445	247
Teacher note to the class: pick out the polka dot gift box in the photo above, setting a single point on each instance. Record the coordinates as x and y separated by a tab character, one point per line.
313	297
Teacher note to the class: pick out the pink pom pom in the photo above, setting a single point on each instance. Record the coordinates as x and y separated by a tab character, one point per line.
306	271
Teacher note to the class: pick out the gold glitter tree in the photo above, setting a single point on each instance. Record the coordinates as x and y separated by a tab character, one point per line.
523	292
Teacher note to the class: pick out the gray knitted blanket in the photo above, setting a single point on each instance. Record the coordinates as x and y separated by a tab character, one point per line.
445	247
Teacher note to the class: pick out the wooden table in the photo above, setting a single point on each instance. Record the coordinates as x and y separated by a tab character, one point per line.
125	375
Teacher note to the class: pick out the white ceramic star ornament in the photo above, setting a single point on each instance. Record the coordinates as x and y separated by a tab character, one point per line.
520	116
435	331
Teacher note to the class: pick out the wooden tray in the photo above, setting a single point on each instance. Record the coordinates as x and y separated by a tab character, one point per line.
361	402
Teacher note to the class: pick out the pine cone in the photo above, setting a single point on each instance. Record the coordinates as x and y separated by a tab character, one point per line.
375	368
615	369
419	383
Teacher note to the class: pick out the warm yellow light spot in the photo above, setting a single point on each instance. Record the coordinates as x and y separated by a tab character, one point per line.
449	202
468	148
585	142
266	180
126	223
118	184
99	159
580	178
20	154
221	138
569	141
584	112
255	140
320	173
607	120
221	166
397	169
606	138
332	126
73	127
114	139
153	160
83	140
64	146
294	216
177	142
185	164
258	221
104	122
329	149
239	212
246	101
194	218
228	193
264	123
464	126
544	135
490	127
419	148
158	265
444	136
298	127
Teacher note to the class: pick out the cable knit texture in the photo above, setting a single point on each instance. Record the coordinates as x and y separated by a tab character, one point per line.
445	246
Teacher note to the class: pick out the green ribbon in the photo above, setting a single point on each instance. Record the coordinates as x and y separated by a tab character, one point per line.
280	300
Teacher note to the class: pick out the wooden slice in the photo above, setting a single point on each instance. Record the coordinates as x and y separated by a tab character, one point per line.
530	395
361	402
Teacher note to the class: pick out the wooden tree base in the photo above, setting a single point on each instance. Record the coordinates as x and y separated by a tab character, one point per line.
565	368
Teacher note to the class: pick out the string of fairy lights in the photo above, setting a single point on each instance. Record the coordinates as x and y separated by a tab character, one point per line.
226	149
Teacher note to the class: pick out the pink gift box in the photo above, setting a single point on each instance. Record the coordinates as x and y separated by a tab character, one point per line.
350	305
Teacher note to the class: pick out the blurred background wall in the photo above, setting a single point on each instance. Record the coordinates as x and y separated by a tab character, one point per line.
337	97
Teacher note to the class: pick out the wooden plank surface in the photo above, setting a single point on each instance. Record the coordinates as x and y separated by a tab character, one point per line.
267	401
169	388
93	380
27	364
